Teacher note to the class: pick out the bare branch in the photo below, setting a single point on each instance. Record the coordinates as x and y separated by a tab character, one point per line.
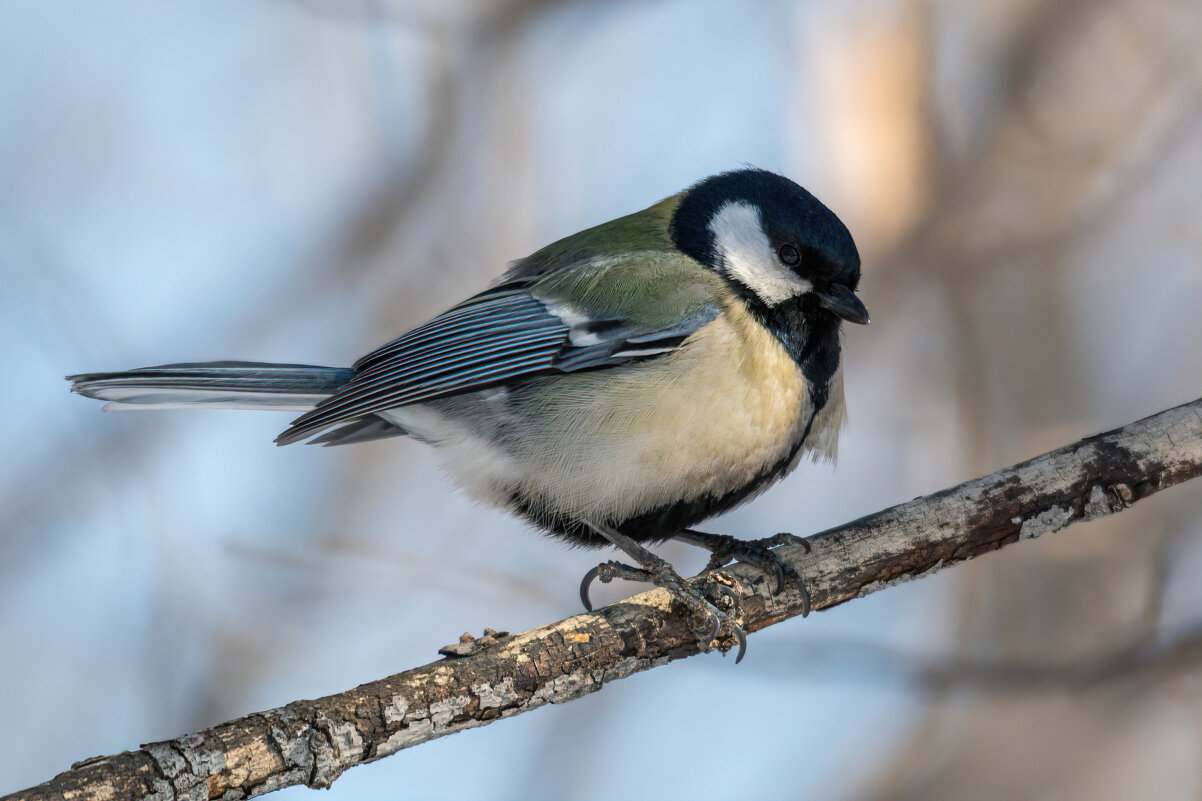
313	742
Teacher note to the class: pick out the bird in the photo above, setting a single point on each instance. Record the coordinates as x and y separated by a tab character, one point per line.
617	387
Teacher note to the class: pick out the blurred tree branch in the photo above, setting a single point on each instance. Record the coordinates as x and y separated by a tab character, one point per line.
313	742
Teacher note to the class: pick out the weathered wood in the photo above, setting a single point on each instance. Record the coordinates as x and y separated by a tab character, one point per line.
313	742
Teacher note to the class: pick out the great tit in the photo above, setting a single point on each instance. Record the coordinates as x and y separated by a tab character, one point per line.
616	387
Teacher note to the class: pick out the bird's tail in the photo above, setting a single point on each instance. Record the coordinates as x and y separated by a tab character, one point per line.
214	385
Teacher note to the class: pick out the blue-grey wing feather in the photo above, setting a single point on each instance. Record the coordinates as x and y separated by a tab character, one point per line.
494	338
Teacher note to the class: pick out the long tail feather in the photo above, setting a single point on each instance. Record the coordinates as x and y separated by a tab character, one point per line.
214	385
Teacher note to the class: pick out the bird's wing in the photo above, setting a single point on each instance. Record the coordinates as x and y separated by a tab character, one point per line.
602	312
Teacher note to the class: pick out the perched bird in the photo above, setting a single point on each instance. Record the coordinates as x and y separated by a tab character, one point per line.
616	387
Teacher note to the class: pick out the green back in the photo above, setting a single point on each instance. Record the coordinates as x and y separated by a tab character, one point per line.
626	269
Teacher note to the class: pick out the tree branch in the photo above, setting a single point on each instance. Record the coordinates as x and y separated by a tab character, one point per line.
313	742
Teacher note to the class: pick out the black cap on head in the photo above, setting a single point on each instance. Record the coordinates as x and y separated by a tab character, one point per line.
788	213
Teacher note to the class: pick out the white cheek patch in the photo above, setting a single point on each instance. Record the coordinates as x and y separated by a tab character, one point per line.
747	256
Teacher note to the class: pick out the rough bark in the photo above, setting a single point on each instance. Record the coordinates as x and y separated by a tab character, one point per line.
313	742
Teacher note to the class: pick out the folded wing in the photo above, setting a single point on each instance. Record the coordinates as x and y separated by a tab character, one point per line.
519	329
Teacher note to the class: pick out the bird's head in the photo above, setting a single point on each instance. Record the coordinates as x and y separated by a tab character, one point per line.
772	239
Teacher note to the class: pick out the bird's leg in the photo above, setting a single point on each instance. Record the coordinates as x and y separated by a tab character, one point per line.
758	553
659	572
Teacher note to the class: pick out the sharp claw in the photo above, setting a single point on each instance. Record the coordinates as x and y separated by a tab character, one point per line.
785	538
715	631
805	599
584	587
780	578
736	629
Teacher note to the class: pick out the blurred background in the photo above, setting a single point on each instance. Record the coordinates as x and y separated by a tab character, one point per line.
295	180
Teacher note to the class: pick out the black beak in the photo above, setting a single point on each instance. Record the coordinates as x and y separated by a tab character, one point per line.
843	303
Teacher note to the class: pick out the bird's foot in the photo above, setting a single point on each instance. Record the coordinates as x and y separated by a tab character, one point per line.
724	548
659	572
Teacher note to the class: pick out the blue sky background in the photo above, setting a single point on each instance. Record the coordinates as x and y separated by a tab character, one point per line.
300	181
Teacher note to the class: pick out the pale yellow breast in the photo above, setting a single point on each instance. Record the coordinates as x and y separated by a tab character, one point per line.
705	420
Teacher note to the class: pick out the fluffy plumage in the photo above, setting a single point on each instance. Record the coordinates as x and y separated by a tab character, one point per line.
643	375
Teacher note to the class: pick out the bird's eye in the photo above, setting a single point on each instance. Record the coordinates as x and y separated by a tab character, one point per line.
789	254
